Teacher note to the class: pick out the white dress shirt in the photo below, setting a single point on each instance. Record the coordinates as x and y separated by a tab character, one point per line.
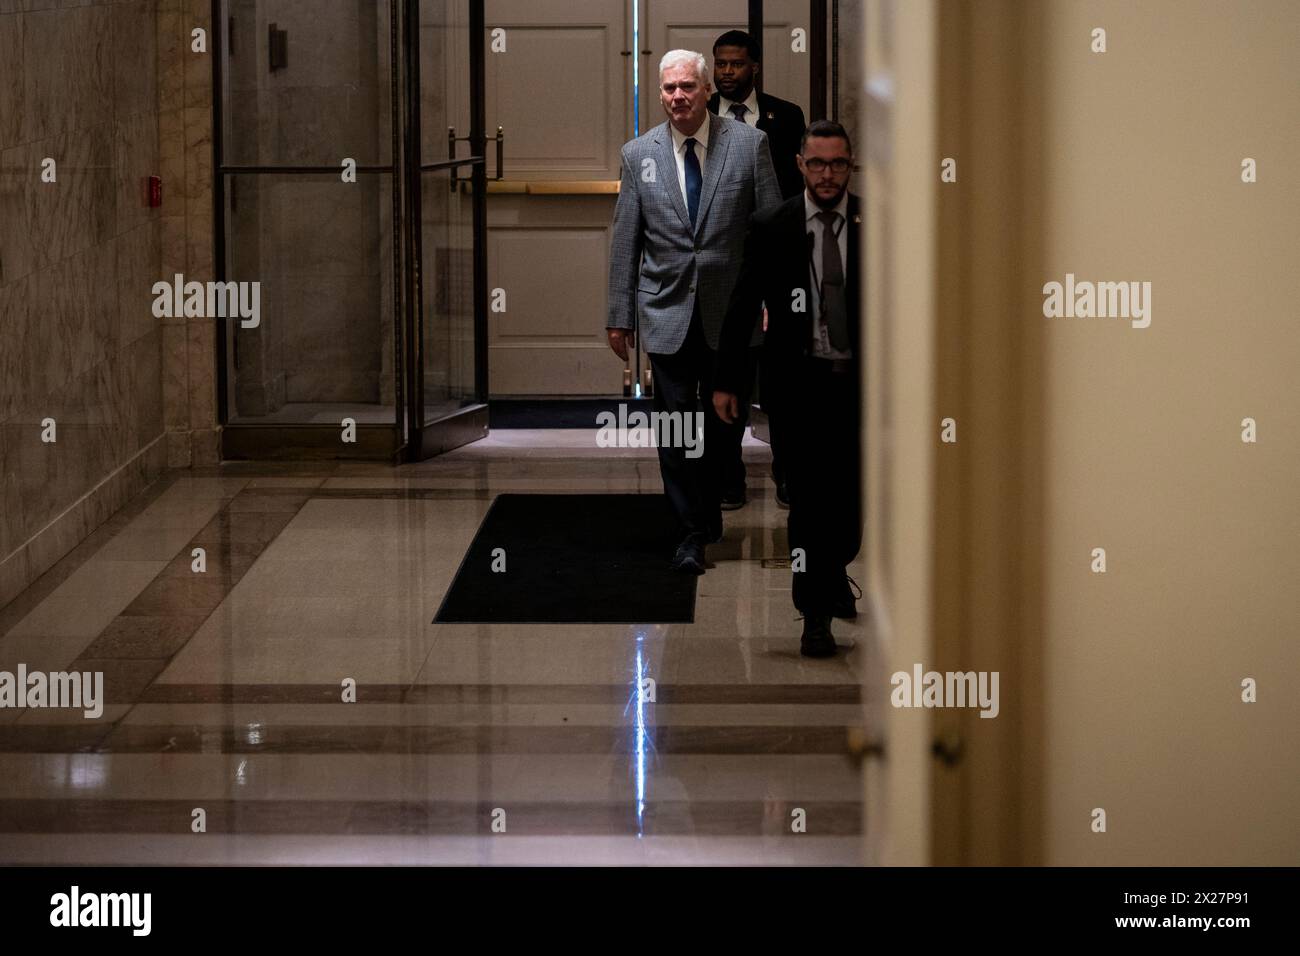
821	344
751	101
701	137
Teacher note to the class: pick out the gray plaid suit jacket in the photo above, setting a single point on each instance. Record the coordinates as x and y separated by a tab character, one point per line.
658	266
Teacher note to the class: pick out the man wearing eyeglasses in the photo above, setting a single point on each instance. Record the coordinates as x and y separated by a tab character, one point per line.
802	260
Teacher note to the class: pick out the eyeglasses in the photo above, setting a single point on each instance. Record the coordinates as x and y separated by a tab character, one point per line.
819	165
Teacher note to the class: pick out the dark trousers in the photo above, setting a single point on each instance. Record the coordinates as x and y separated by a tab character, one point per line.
683	382
768	389
732	465
821	419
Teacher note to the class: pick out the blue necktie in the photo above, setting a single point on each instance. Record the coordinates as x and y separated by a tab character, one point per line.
693	180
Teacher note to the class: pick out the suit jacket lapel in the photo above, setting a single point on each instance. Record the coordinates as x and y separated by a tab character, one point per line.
716	159
666	163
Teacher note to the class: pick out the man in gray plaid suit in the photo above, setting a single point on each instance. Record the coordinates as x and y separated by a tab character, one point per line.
689	187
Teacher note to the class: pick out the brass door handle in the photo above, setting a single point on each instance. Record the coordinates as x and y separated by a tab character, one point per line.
861	745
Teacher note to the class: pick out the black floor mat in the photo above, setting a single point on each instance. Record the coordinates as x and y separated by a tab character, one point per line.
570	559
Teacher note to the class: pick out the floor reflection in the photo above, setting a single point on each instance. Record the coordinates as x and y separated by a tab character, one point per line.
710	742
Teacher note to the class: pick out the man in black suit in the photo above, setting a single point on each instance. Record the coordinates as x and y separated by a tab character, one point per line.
736	66
802	260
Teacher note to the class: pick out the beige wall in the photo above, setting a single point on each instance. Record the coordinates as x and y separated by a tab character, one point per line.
1141	158
1119	691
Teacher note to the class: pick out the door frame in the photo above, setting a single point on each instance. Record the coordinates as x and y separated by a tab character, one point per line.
469	424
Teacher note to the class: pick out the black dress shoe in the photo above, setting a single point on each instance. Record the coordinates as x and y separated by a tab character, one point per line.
817	640
782	495
689	558
734	499
846	608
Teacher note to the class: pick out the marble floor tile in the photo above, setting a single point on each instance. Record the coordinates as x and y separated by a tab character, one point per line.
149	544
216	850
40	651
45	716
226	688
86	603
124	678
304	482
412	777
324	818
474	714
198	488
142	636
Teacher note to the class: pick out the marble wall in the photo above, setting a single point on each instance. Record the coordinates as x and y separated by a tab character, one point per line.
112	93
185	163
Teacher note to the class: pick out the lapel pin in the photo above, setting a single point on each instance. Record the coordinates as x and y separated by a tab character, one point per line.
771	116
857	220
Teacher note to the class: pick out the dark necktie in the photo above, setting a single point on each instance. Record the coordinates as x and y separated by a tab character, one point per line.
739	110
693	180
834	303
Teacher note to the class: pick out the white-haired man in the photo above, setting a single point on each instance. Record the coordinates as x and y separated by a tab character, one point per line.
689	187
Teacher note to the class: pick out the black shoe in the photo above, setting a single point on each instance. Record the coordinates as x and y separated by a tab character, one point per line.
689	558
817	640
846	608
782	495
734	499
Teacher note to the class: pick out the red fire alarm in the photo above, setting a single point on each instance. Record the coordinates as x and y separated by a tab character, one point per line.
155	192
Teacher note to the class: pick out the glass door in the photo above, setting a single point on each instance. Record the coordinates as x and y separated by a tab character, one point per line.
306	195
365	242
448	378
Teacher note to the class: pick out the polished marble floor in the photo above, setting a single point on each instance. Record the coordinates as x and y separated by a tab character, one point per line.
224	688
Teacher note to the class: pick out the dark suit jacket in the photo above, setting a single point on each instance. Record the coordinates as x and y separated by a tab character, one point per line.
776	264
783	123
